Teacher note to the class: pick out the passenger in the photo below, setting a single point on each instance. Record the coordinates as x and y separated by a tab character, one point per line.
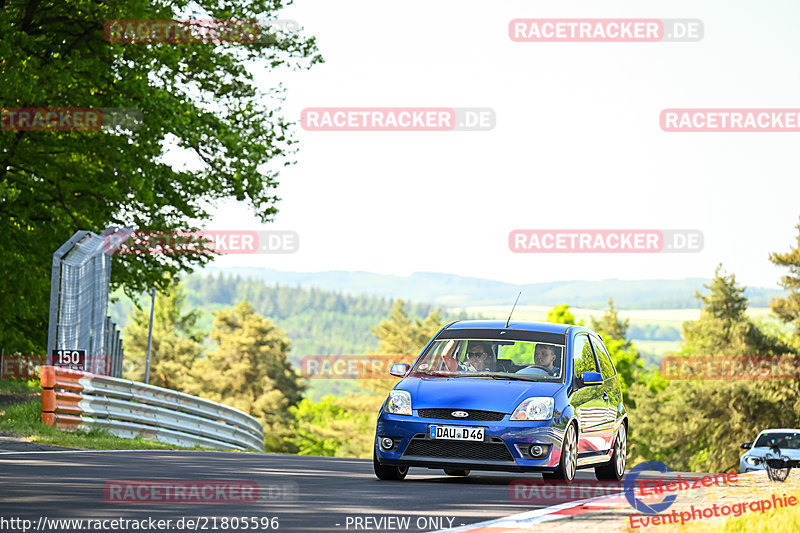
478	357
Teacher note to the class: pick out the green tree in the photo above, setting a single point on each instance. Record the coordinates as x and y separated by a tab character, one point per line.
345	427
788	308
199	97
698	425
723	328
176	341
627	361
611	326
336	427
400	335
249	370
561	314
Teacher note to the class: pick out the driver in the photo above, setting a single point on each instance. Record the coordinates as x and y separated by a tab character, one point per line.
544	355
478	357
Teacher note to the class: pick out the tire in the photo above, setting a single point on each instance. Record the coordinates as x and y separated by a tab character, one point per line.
614	469
386	472
569	458
454	472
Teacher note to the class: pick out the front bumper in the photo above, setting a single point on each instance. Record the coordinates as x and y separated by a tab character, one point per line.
761	464
503	448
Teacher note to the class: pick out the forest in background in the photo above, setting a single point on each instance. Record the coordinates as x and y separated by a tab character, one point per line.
453	291
244	361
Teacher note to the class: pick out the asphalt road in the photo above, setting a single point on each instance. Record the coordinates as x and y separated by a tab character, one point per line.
308	494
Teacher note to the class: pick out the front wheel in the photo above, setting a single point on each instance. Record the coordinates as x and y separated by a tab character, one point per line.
615	468
569	457
455	472
386	472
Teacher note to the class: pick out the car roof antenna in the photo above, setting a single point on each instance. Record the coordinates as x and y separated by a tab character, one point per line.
512	308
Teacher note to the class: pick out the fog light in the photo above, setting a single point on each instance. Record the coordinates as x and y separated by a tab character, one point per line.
536	451
387	443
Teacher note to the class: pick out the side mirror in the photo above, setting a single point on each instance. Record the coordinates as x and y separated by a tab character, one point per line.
746	445
399	369
592	378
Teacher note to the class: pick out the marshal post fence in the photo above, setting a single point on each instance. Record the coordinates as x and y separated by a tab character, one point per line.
79	292
93	395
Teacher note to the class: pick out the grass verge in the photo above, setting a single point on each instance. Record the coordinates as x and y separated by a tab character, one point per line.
19	386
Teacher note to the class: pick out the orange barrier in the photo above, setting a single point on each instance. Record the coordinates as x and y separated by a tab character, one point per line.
55	402
68	422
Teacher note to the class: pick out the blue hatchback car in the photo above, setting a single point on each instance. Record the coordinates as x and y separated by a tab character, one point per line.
513	396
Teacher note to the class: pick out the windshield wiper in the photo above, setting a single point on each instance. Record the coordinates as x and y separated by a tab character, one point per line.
431	373
493	376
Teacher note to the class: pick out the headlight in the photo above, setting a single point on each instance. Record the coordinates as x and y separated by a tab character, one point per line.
536	408
398	403
752	461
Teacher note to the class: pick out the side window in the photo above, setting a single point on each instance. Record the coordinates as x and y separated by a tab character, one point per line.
606	367
582	355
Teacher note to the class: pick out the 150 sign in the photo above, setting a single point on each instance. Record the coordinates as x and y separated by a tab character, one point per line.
72	359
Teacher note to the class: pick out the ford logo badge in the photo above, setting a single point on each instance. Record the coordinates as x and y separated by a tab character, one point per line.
460	414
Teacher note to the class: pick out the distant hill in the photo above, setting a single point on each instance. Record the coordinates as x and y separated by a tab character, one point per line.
459	291
331	313
317	321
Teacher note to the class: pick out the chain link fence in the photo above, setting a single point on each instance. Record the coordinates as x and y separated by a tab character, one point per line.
79	292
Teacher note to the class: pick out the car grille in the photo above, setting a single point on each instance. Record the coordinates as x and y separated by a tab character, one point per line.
451	449
474	415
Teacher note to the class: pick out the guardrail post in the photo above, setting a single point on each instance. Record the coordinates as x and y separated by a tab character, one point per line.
48	383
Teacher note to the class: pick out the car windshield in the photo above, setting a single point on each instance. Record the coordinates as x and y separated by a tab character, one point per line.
788	441
473	358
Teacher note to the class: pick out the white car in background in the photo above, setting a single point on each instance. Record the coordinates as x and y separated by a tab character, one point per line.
787	442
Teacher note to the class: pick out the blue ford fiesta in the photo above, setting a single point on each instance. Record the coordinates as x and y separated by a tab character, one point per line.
514	396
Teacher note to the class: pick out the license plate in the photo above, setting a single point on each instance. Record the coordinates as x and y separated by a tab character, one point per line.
456	433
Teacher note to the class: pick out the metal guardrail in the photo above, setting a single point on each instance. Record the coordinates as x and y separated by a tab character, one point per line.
78	400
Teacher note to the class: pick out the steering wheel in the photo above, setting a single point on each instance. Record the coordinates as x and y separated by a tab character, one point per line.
540	367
